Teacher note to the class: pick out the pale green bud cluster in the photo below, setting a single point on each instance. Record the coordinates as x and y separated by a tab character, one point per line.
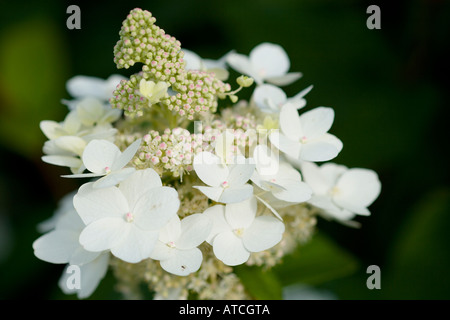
141	41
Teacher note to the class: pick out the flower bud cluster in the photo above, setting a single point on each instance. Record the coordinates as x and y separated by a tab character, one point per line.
142	41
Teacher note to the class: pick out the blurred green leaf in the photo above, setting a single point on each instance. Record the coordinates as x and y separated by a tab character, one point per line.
420	257
316	262
260	284
33	65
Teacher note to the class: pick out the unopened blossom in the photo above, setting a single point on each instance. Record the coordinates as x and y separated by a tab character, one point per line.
339	191
237	232
305	137
267	62
177	249
225	183
126	220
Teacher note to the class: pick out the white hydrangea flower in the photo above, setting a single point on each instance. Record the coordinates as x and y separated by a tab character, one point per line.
82	86
341	192
103	158
61	246
178	241
267	62
126	220
195	62
89	120
269	98
226	183
305	137
92	112
237	231
279	178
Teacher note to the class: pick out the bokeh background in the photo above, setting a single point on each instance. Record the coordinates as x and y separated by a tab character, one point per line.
389	89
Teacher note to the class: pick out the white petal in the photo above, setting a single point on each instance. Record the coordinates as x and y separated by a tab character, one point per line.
359	188
113	178
269	206
240	172
50	128
236	194
89	111
72	144
99	155
126	156
241	214
269	97
269	60
63	161
85	86
267	161
290	123
171	231
83	175
104	234
162	251
217	215
56	246
110	115
264	233
290	147
93	204
111	84
183	262
194	230
323	149
295	191
316	178
229	249
209	169
136	246
241	64
316	122
213	193
72	124
193	60
224	146
302	93
139	183
220	74
155	208
81	256
292	188
285	79
100	133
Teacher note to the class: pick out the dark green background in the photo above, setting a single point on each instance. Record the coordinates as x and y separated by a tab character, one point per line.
389	89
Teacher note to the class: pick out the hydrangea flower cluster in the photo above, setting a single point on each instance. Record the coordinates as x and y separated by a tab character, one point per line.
182	188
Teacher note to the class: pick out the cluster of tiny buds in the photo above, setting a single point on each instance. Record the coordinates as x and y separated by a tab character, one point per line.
171	151
162	58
